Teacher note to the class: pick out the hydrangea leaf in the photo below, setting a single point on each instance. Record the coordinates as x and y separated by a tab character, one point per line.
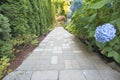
118	24
92	17
111	53
99	4
115	55
101	46
1	29
107	49
91	34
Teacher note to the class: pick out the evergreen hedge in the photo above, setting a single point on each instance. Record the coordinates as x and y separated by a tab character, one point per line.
21	22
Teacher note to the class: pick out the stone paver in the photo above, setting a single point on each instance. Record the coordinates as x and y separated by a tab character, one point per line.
54	60
45	75
19	75
72	75
61	56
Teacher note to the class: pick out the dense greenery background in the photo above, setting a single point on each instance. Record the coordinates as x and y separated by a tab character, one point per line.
92	14
21	22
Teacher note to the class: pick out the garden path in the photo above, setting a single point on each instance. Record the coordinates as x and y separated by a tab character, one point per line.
61	56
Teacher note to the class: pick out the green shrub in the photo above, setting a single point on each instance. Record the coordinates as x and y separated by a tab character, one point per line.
95	13
4	63
5	45
21	23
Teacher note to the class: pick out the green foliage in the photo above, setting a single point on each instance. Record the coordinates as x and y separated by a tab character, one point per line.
99	4
95	13
59	7
27	20
4	28
5	49
5	45
21	22
4	63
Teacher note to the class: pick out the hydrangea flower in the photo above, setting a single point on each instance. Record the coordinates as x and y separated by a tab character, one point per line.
70	15
105	33
75	6
109	5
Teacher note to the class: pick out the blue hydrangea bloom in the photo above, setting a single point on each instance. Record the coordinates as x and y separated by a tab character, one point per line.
109	5
75	6
105	33
70	15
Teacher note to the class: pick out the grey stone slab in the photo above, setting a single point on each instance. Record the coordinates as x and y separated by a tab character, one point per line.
43	62
67	51
38	49
69	57
48	49
92	75
27	67
33	57
71	75
77	51
45	75
42	57
109	74
114	66
42	44
57	52
60	59
42	67
34	67
19	75
68	54
87	67
65	46
99	66
75	64
68	64
57	48
54	60
56	67
46	53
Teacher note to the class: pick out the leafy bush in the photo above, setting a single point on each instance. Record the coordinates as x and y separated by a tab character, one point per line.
21	22
5	45
4	28
4	63
27	19
93	14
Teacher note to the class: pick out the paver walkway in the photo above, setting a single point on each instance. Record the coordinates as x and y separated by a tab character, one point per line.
61	56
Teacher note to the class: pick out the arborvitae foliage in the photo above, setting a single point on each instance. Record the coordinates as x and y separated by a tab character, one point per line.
21	22
27	20
5	46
